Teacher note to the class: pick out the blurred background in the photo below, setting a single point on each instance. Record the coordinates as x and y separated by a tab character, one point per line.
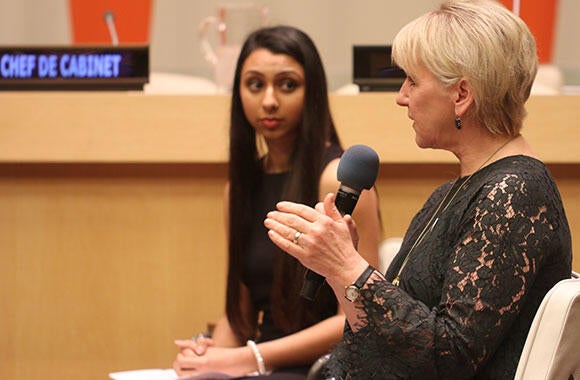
171	28
111	222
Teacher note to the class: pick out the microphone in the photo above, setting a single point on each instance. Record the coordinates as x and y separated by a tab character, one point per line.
357	170
109	18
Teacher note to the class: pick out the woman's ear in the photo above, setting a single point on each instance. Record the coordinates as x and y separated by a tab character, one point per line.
463	96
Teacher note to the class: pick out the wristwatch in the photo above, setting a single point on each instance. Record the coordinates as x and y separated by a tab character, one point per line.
352	291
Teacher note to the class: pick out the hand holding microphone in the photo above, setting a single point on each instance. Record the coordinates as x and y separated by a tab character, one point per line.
357	171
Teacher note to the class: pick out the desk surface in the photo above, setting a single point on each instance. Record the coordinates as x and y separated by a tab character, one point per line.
138	128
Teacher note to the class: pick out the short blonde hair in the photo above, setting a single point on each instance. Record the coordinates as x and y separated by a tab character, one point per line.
482	41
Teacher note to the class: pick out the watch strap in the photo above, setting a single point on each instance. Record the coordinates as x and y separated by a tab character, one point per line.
362	279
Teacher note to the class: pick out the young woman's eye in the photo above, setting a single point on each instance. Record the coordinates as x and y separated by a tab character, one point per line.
410	80
288	85
254	84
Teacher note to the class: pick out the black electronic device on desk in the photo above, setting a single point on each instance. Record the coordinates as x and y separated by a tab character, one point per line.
74	68
373	69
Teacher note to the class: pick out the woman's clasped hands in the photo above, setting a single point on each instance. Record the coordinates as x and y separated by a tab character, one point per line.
200	355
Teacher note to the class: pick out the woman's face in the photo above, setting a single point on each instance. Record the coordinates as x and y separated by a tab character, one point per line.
272	94
431	106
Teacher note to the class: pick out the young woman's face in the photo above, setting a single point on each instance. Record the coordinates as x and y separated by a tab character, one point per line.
272	94
430	105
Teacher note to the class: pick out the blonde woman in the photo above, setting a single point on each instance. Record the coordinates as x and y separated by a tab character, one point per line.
459	298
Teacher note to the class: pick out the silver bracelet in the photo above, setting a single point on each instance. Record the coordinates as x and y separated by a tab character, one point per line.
258	356
200	335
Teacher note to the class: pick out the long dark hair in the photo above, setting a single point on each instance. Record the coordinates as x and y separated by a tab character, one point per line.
316	129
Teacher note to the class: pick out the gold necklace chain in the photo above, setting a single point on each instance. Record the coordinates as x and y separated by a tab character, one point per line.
426	229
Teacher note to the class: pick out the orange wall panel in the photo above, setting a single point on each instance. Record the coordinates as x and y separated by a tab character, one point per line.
540	16
132	20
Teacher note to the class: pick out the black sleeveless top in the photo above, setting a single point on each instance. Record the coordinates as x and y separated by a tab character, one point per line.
262	254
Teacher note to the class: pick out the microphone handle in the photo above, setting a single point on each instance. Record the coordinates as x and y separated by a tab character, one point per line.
345	202
346	199
312	283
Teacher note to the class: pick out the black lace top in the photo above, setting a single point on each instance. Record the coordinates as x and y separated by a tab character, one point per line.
471	286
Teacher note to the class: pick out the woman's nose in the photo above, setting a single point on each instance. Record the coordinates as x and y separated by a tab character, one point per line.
402	98
270	101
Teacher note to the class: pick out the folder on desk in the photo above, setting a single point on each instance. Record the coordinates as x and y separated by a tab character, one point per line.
165	374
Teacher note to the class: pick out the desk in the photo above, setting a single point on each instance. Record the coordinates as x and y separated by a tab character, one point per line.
132	127
111	222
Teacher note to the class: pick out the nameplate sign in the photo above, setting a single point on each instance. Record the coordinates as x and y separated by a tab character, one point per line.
74	68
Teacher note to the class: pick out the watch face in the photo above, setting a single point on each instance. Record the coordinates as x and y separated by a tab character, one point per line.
351	293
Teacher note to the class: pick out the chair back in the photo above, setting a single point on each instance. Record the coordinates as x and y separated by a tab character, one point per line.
552	351
388	248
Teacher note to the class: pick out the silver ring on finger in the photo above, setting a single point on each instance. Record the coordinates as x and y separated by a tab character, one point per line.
296	237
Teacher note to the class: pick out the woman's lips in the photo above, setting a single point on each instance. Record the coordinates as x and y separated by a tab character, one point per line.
270	122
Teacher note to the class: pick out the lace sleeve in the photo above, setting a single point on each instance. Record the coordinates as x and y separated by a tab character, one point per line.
500	239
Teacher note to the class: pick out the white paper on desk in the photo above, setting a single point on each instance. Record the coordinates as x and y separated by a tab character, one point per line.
165	374
145	374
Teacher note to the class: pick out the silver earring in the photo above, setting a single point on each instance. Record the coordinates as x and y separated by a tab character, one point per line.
457	122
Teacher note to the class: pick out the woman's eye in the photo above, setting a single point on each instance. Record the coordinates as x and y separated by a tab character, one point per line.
254	84
410	80
288	85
